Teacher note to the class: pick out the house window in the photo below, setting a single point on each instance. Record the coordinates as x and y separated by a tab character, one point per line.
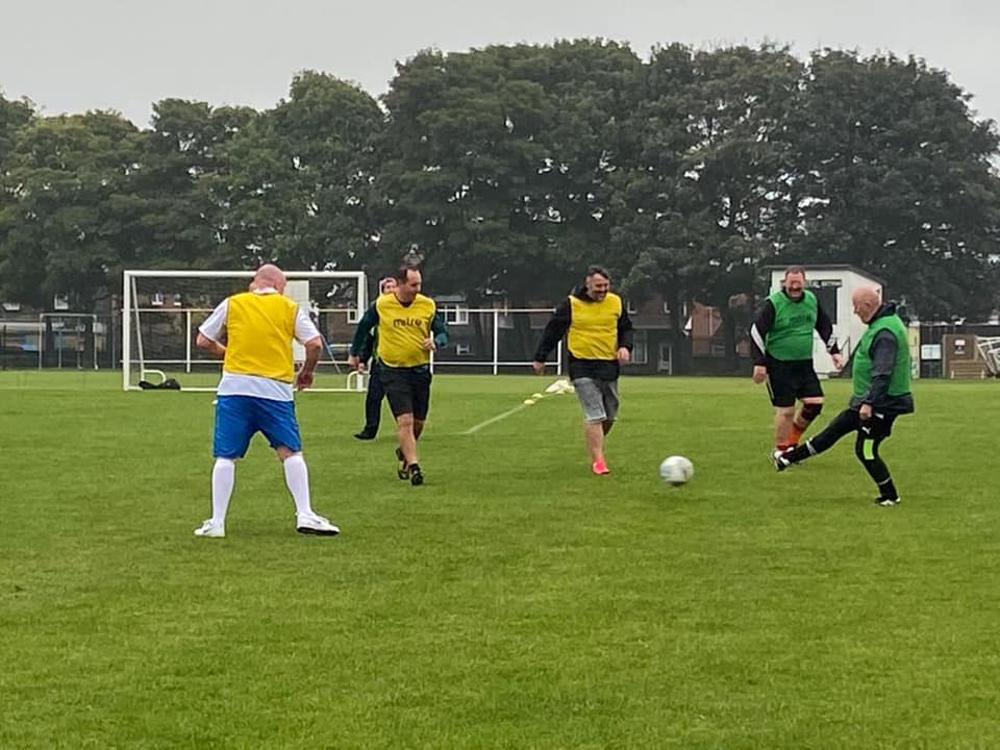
463	350
456	315
640	351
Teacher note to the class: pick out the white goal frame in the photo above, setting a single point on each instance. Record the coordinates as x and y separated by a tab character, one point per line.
989	347
354	382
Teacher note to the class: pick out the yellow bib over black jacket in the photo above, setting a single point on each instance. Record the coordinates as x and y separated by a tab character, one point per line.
594	329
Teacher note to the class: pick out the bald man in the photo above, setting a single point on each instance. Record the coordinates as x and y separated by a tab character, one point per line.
881	370
255	393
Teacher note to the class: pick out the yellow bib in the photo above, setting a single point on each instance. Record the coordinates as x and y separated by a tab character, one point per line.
259	331
593	327
402	330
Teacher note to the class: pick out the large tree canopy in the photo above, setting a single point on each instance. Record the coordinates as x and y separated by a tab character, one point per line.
508	169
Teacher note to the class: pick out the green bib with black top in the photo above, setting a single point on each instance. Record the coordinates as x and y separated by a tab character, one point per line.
791	334
899	382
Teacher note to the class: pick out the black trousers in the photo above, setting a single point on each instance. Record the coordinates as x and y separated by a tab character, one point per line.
869	435
373	400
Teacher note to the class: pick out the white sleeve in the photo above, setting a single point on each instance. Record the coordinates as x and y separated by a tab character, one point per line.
215	324
305	329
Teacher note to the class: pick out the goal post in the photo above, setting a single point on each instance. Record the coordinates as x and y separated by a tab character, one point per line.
989	347
161	311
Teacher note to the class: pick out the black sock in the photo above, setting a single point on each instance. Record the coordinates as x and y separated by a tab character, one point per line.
799	453
887	489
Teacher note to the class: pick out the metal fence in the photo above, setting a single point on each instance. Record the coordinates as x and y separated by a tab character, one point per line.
66	341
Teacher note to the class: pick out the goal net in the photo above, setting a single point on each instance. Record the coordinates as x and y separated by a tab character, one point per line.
989	347
161	312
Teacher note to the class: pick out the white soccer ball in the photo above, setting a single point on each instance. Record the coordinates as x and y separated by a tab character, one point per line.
676	470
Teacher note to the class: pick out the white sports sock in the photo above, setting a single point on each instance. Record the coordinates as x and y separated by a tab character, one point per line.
223	479
297	479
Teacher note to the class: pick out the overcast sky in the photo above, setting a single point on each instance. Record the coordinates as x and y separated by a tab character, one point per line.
74	55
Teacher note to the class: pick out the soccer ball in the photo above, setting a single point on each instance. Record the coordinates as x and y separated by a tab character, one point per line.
676	470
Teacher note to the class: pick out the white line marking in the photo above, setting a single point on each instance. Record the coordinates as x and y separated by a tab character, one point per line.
554	389
497	418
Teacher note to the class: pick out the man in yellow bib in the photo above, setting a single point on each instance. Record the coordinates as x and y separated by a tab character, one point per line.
408	329
599	340
255	393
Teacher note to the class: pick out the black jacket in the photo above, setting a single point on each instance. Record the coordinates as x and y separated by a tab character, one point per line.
558	326
765	319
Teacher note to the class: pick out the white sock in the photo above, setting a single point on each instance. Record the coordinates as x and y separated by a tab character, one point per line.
297	479
223	479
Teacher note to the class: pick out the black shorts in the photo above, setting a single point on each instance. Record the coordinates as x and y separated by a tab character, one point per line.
788	381
408	389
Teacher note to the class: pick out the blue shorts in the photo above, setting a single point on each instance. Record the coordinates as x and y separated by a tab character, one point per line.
237	418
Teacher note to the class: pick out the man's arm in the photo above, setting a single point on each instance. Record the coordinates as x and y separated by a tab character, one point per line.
758	333
626	336
210	332
210	346
883	355
314	347
554	331
824	327
439	330
364	330
368	348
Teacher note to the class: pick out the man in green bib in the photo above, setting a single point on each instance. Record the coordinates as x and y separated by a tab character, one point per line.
782	343
881	393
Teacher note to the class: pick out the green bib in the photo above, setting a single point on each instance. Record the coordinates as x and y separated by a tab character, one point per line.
791	335
899	382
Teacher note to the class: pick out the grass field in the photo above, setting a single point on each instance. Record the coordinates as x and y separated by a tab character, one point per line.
515	601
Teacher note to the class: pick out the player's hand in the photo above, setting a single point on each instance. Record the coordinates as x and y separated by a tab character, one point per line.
303	380
759	373
539	367
428	344
624	356
865	412
354	362
838	361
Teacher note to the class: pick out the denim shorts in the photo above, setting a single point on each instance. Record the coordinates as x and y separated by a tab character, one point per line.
599	399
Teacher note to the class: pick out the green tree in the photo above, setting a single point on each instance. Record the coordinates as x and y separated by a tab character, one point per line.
63	225
181	188
897	179
300	189
14	116
709	192
495	163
